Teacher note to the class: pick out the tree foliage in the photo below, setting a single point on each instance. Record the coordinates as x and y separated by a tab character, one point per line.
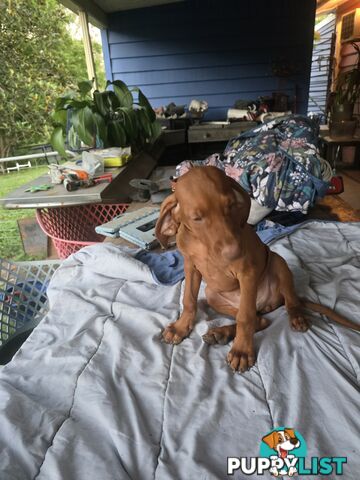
39	60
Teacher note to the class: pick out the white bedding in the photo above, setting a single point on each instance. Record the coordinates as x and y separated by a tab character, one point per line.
94	394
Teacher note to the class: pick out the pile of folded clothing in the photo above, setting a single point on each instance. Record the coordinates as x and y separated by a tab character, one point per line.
277	163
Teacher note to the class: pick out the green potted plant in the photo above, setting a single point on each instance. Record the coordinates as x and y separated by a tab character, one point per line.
347	92
116	117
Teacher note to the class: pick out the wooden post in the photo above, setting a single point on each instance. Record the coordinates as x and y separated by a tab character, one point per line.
89	56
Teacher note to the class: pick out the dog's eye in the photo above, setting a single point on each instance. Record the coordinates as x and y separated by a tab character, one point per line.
197	219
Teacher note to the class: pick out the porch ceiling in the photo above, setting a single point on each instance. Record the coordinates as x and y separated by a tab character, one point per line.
98	9
323	6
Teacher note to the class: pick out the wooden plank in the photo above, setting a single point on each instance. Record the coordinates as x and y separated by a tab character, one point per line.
217	100
214	133
55	197
34	240
205	73
141	166
346	141
209	87
119	190
174	137
187	43
193	59
58	196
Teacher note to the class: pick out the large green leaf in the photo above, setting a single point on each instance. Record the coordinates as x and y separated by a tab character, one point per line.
117	134
74	118
123	93
60	117
144	102
80	103
101	102
112	100
101	129
156	130
73	138
57	141
85	126
145	124
130	122
88	118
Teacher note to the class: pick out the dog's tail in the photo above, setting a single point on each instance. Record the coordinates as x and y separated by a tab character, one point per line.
316	307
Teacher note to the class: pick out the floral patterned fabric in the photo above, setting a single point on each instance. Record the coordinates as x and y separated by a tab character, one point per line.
277	163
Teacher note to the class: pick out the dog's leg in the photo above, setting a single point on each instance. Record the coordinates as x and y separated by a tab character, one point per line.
175	332
220	303
287	289
241	356
224	335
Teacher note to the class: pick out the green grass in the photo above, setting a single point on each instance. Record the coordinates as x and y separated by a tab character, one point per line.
10	240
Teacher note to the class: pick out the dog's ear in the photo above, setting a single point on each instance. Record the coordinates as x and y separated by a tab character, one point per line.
271	440
242	198
290	432
168	222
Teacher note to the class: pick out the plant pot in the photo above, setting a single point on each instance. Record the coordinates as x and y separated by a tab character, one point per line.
342	129
342	111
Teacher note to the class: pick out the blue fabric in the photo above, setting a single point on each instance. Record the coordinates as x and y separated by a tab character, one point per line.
269	231
166	268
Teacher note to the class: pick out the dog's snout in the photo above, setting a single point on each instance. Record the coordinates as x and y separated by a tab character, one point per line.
294	441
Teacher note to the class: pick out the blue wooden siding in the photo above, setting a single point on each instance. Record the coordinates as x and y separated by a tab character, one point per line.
320	66
219	51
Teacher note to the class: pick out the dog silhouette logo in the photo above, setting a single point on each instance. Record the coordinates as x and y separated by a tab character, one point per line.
284	445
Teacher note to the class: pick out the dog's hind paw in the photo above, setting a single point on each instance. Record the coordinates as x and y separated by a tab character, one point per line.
220	335
299	323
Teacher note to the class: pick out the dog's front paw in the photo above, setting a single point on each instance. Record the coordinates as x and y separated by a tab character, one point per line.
241	356
175	332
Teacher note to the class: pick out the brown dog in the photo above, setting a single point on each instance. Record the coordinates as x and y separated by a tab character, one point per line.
208	214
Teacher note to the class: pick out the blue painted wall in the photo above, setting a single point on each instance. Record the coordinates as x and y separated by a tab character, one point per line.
216	50
320	66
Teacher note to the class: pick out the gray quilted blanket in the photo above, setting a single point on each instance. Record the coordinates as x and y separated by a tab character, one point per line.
94	394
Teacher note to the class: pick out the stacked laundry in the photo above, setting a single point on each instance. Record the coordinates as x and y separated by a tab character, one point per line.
277	163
